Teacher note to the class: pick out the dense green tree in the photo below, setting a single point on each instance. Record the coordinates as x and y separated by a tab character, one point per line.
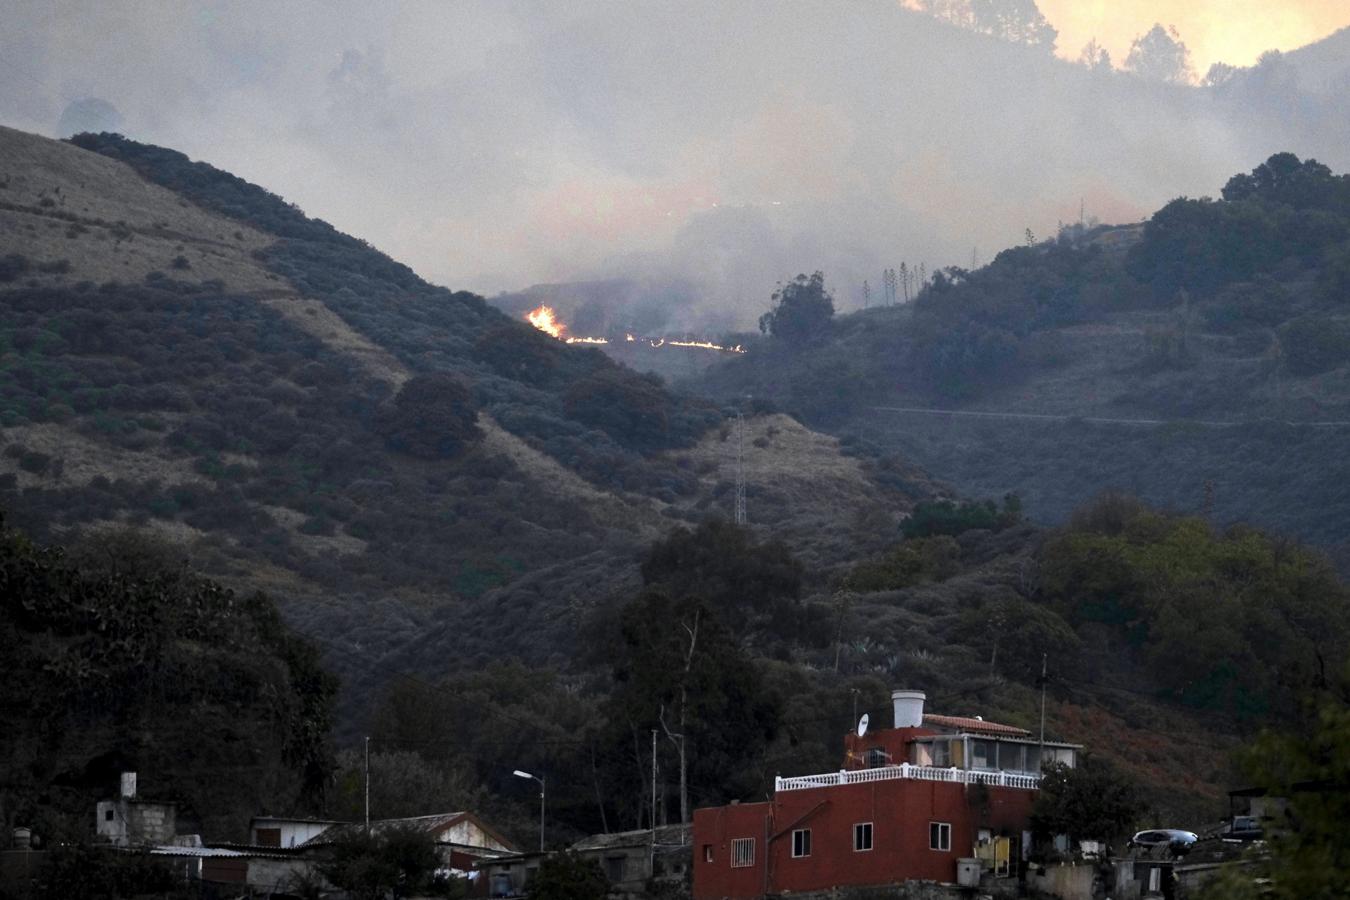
722	564
1095	57
1315	344
950	517
101	873
1306	854
1091	801
1016	21
567	876
515	350
432	417
389	862
1284	178
801	313
403	783
1016	634
679	669
632	409
1159	55
1234	621
139	662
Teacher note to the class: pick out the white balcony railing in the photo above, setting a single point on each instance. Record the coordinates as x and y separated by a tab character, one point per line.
905	770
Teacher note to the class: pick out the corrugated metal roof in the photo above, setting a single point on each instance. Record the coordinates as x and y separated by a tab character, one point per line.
976	726
665	834
430	824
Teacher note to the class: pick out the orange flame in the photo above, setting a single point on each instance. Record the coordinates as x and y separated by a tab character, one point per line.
546	320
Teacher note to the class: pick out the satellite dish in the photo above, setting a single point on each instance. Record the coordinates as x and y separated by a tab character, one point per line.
862	725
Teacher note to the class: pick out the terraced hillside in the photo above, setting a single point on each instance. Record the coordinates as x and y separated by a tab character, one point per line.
1200	360
185	352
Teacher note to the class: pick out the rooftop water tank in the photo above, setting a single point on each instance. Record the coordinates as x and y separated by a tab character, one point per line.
908	707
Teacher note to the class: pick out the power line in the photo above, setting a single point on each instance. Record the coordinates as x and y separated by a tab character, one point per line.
1101	420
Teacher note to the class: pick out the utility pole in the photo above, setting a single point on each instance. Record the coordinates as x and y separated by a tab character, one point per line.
1043	661
740	469
367	784
651	856
543	789
867	294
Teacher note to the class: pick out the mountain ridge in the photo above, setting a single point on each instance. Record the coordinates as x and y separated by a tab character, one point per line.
248	410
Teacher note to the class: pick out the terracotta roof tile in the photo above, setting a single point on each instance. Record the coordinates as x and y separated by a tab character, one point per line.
978	726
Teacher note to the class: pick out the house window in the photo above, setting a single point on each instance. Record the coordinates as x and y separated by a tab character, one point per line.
268	837
1033	759
107	815
801	842
982	755
742	853
942	757
614	868
707	853
939	836
862	836
876	758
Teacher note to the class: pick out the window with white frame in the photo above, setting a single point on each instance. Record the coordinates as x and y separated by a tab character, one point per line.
862	836
742	853
801	842
707	853
939	836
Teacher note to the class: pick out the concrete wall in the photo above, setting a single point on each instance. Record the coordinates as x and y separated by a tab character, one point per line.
292	833
276	875
151	823
900	811
468	834
1065	882
124	821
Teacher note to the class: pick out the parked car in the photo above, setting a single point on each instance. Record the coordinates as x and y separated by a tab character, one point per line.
1243	828
1178	841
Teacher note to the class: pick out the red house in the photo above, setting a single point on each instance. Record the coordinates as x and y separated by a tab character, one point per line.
908	803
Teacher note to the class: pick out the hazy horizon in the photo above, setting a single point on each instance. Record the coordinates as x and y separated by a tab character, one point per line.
493	146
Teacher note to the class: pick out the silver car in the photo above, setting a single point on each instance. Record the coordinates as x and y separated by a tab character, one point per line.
1178	841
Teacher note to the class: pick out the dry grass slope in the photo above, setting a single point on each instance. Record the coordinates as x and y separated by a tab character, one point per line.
58	202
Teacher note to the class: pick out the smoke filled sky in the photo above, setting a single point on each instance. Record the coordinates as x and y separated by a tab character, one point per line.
493	144
1233	31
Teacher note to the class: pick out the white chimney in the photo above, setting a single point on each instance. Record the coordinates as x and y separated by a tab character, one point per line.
908	708
128	790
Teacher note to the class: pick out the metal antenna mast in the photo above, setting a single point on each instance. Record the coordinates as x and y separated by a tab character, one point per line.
740	468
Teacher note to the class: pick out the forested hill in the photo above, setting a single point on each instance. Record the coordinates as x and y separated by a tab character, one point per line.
1224	324
186	352
430	489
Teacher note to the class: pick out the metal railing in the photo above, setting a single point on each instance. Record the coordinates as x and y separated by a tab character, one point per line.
905	770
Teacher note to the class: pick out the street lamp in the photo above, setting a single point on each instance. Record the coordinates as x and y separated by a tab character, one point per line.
520	774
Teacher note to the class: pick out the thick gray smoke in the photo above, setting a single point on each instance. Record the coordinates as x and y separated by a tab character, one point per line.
725	144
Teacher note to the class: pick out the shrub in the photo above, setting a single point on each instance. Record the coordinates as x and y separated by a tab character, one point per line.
1315	344
13	266
945	517
432	417
630	408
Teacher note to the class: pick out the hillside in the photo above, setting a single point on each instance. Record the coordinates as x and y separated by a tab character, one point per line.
1200	360
483	528
185	352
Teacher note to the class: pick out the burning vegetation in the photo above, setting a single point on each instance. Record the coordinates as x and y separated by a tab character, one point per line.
545	318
